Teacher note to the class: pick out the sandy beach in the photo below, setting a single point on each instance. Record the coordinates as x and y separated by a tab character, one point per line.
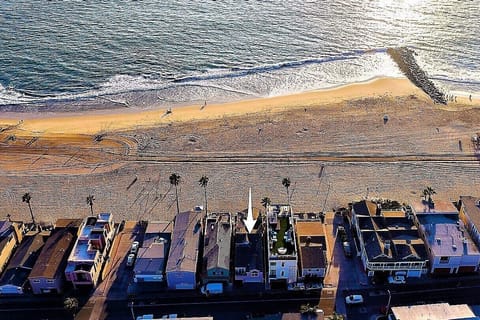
381	138
125	119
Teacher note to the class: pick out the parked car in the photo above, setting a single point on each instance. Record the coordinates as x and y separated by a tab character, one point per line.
134	247
296	286
130	260
396	279
342	233
354	299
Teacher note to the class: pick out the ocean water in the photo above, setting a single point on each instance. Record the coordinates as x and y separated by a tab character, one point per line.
181	52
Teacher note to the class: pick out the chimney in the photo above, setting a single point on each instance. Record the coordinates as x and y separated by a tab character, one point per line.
387	244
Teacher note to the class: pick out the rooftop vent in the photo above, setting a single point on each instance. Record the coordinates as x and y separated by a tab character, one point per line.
387	244
439	241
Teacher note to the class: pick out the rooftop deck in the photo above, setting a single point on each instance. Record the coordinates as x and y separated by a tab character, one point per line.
281	237
92	240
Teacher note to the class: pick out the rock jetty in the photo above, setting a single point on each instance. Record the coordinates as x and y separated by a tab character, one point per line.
405	59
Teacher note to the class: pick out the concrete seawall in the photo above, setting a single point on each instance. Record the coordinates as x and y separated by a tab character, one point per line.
405	59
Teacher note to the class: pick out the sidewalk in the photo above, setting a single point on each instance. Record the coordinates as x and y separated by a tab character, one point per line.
329	291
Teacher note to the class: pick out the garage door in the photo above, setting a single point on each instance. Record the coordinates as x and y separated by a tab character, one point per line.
466	269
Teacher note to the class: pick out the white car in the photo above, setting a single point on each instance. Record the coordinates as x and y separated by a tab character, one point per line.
134	247
354	299
396	279
130	260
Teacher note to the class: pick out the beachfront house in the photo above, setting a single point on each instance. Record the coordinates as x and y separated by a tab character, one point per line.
182	259
152	256
312	249
11	235
216	248
469	213
249	250
16	274
389	241
47	274
450	247
281	247
90	251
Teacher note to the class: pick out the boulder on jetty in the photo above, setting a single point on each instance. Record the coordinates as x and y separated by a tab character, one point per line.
405	59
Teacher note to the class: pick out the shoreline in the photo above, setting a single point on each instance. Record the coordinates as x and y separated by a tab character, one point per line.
123	119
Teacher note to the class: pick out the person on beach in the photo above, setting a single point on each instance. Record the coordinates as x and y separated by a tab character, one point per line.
204	105
470	98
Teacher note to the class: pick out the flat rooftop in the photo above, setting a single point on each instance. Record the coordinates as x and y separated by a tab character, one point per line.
81	253
440	206
446	239
433	311
309	228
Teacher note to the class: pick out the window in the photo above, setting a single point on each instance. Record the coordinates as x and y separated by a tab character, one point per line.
36	281
50	281
254	273
444	259
282	274
283	264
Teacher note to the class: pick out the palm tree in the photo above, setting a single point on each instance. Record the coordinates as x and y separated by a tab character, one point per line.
71	305
90	199
286	183
26	198
430	193
265	202
204	182
174	181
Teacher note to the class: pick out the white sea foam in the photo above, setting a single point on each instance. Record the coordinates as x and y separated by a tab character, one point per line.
233	84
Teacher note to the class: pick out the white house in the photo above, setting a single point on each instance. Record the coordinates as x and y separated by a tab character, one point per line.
282	247
450	247
390	242
91	250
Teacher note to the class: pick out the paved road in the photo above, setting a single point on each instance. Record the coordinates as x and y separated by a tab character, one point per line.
452	291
